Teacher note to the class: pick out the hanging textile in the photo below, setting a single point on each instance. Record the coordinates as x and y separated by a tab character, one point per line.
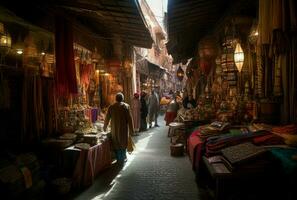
4	93
85	75
277	87
65	67
49	106
260	74
33	124
293	27
265	17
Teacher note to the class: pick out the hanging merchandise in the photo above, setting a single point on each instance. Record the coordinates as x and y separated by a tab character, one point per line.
205	65
207	48
33	123
65	73
238	57
180	73
260	73
4	93
277	89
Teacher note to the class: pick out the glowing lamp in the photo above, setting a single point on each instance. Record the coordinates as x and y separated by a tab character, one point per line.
238	57
180	73
5	40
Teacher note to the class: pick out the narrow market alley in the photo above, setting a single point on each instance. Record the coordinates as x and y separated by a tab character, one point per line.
150	173
148	99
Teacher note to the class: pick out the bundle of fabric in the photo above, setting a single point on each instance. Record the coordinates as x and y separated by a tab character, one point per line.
270	139
18	174
213	129
215	144
288	133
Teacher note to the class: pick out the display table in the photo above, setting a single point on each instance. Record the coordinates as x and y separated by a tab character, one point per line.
88	163
190	126
255	175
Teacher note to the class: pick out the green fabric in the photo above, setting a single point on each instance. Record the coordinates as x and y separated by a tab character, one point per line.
235	132
285	157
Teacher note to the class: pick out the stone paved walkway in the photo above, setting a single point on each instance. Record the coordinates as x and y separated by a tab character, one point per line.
150	173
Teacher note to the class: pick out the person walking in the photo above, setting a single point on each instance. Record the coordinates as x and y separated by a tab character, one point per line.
153	108
143	112
171	111
121	126
135	108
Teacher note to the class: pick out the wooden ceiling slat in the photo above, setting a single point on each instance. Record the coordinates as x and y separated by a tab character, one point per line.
189	21
195	7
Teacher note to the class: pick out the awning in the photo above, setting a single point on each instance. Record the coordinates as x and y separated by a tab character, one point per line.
188	22
106	19
155	71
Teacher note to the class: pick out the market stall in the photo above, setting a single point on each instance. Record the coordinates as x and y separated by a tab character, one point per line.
244	98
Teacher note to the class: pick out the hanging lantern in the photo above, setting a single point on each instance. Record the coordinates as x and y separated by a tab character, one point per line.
5	40
238	57
180	73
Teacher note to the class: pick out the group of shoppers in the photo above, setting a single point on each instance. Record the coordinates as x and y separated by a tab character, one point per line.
147	107
127	121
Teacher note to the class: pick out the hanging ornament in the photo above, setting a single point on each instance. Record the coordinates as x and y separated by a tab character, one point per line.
180	73
238	57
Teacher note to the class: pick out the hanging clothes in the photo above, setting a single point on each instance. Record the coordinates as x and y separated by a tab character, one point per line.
33	122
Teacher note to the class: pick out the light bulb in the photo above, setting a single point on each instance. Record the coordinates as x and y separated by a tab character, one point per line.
19	51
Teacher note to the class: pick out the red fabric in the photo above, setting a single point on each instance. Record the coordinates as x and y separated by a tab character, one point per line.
65	68
169	117
86	70
90	163
268	140
195	145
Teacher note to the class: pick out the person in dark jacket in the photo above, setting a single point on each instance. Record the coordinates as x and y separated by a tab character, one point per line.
143	112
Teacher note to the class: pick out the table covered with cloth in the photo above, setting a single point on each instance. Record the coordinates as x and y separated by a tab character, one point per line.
87	162
210	146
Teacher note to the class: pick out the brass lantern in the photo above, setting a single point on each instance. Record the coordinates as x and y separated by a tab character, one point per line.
180	73
5	41
238	57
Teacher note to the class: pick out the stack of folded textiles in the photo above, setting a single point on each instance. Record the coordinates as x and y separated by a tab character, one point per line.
245	156
215	144
213	129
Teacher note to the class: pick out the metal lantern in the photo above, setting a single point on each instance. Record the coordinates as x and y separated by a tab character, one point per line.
5	41
238	57
180	73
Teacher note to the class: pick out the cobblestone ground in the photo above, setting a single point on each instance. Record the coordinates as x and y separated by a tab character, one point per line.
150	173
